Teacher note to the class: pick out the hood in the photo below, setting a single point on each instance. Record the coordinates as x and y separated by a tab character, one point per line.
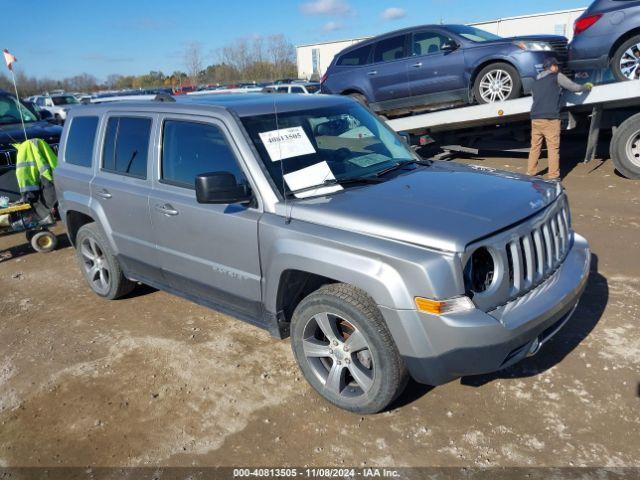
527	38
445	206
12	133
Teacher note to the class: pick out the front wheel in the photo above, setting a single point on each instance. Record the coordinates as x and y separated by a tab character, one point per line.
497	82
625	147
345	350
625	63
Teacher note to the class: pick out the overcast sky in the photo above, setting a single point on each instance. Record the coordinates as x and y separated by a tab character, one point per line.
65	37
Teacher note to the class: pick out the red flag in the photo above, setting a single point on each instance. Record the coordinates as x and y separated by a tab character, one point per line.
10	59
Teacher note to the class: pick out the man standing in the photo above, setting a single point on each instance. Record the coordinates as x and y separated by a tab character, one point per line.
545	115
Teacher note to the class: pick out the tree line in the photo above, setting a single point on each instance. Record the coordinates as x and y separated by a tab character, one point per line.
256	59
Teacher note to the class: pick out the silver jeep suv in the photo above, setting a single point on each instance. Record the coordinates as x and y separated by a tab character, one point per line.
309	217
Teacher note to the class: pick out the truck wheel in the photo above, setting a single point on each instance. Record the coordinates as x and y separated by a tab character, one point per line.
345	350
99	265
625	63
496	83
625	147
43	241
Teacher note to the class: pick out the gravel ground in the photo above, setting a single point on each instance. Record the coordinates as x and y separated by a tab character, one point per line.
155	380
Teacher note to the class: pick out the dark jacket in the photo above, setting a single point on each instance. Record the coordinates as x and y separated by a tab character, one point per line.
547	94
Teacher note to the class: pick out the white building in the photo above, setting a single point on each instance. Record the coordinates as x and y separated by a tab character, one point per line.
316	57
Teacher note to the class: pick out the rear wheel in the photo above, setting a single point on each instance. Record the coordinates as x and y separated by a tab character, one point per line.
625	147
625	63
358	97
99	265
497	82
345	350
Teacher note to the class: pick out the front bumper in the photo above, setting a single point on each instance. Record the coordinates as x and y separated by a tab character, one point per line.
437	350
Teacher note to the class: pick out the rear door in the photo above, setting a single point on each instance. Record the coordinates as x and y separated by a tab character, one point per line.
121	191
207	251
388	72
434	74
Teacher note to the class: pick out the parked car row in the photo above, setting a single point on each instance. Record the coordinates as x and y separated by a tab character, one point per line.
438	66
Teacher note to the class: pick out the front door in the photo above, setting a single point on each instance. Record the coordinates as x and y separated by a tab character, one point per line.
435	76
209	252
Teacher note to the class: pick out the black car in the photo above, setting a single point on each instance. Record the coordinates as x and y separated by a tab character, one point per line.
11	133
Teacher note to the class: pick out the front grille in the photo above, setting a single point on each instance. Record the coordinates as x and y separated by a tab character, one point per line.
7	158
561	48
533	257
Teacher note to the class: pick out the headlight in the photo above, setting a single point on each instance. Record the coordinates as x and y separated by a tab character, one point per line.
534	46
479	272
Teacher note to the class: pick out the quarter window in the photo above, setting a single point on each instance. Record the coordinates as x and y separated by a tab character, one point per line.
390	49
126	146
190	149
359	56
79	146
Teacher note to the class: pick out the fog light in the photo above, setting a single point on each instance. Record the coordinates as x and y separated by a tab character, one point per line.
535	346
441	307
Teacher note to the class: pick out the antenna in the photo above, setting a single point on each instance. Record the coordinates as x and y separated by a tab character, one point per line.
287	217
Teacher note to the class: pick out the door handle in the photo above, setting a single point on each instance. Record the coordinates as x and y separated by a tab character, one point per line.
104	193
167	210
372	72
417	65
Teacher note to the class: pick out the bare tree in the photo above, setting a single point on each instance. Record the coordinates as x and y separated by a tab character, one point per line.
193	61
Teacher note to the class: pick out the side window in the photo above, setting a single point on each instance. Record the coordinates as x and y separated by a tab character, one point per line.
282	89
297	90
390	49
190	148
79	146
426	43
40	101
359	56
126	146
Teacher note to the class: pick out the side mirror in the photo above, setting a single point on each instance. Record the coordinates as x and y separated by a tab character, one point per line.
449	46
45	114
221	188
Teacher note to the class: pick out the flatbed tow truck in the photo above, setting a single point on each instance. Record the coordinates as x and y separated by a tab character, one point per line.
505	126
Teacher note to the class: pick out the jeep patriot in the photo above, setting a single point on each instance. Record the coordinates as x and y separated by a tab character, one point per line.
309	217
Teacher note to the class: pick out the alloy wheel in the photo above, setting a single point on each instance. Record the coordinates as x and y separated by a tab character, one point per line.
630	62
496	86
95	265
339	355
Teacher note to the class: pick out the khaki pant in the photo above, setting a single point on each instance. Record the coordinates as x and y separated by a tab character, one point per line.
549	131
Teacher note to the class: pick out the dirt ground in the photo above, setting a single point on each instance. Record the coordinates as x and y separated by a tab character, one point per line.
156	380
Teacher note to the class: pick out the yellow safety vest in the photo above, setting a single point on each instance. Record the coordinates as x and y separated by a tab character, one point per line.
34	159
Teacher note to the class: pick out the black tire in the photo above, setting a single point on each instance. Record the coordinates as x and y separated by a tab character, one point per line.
43	241
116	284
358	97
516	82
349	307
617	57
625	148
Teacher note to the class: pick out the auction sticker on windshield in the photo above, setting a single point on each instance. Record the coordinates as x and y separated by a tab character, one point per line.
286	143
310	176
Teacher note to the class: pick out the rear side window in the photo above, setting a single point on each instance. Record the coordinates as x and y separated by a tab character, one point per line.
390	49
297	90
190	148
79	147
359	56
126	146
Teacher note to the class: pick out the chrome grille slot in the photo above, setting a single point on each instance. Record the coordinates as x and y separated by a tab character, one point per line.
548	246
7	158
529	259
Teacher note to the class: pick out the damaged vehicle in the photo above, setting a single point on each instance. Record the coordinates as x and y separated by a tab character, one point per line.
307	216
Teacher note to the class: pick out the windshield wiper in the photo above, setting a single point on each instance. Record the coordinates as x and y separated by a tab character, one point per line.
337	181
400	165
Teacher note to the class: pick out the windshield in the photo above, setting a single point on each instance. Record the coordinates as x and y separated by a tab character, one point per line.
65	100
10	111
339	142
473	34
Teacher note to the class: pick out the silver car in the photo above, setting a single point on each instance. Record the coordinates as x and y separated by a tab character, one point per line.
307	216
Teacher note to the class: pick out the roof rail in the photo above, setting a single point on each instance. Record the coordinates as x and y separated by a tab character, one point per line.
164	97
